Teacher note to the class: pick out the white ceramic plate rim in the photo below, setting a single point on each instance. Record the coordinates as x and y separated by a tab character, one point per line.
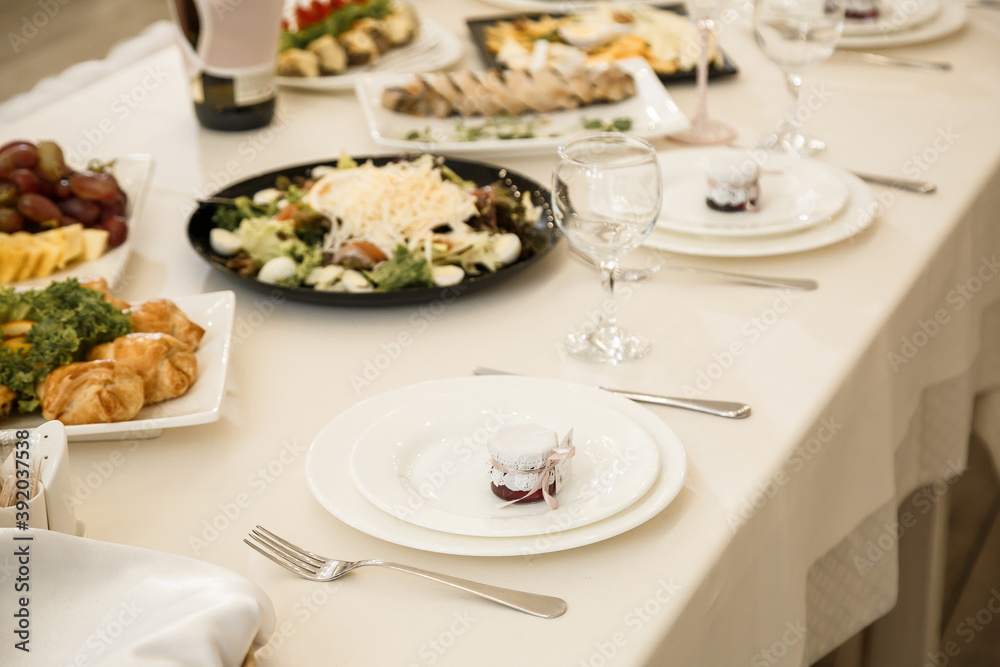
950	20
859	213
685	161
329	478
447	52
651	102
134	174
201	405
381	484
883	25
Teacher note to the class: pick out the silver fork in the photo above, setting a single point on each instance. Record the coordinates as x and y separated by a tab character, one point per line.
319	568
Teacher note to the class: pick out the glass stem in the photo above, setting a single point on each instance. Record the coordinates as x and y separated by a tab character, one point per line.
609	267
701	113
790	123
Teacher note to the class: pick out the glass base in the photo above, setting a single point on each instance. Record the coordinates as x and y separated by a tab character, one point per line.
790	143
608	345
706	134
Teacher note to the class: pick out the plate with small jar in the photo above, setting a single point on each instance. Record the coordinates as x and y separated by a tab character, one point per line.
428	462
331	463
733	192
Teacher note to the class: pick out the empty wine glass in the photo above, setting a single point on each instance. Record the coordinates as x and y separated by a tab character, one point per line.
606	194
704	130
796	34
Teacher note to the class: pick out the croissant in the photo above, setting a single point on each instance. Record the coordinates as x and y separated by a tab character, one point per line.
91	392
166	365
99	284
7	398
163	316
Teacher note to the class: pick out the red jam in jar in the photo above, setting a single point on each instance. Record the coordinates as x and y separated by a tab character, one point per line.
518	457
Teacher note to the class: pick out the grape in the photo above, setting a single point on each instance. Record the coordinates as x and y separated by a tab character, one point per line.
93	186
11	144
61	189
113	206
117	230
67	220
26	180
50	160
10	221
17	156
38	208
85	211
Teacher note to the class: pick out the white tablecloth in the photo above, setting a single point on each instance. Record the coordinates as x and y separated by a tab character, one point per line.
862	391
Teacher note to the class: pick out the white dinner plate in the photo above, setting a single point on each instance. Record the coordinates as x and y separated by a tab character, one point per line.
202	403
427	462
557	6
434	48
134	174
651	110
859	213
949	20
897	15
794	194
329	478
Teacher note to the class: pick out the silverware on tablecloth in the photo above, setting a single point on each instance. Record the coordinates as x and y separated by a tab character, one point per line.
633	275
320	568
729	409
892	61
921	187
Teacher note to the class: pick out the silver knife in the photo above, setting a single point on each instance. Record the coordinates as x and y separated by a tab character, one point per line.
880	59
730	409
922	187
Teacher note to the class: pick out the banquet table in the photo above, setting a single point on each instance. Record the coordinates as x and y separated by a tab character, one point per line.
863	391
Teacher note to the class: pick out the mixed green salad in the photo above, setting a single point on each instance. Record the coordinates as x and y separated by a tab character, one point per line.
353	227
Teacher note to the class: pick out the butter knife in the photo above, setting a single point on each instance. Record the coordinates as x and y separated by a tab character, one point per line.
729	409
880	59
922	187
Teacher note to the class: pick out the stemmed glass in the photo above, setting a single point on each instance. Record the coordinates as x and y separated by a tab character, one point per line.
606	193
796	34
704	130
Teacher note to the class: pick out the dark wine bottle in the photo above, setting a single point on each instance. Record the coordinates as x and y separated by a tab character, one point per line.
233	88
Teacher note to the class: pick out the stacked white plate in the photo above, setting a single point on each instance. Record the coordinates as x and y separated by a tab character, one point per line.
804	204
902	22
410	466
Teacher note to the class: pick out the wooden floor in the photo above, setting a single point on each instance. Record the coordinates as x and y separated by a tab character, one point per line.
87	29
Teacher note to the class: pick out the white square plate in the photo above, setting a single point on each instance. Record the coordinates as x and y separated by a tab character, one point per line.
652	111
202	404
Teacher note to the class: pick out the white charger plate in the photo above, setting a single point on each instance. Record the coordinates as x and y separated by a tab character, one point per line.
949	20
426	463
329	478
652	111
859	213
202	403
434	48
794	194
894	16
134	175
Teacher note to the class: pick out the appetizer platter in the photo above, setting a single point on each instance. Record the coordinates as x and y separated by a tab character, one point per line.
328	44
664	37
516	112
74	353
58	221
372	231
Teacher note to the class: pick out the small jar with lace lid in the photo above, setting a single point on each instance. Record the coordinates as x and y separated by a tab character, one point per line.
528	463
733	185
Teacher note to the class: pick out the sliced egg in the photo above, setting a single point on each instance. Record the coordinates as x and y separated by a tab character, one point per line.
447	275
276	269
266	196
323	277
507	248
355	281
224	242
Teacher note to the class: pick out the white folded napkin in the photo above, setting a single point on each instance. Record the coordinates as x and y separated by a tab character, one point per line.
99	604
